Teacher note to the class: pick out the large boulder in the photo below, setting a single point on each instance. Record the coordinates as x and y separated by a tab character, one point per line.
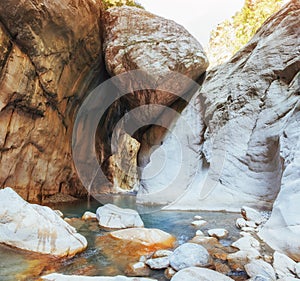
249	107
111	216
169	60
36	228
50	59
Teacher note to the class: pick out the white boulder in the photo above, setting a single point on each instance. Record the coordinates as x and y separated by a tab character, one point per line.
260	267
199	274
189	254
36	228
218	233
111	216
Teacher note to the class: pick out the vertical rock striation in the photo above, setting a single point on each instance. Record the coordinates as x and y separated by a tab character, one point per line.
50	59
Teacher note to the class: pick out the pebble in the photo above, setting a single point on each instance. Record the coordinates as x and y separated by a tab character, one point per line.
170	272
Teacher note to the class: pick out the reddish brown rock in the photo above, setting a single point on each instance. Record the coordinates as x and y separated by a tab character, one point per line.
50	59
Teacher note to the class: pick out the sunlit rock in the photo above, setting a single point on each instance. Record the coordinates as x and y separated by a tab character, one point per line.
36	228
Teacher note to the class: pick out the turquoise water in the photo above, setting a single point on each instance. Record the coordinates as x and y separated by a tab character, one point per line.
93	262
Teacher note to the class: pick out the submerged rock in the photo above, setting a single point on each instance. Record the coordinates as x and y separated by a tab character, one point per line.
189	254
36	228
199	274
111	216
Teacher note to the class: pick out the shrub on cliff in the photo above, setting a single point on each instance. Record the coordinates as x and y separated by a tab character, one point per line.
231	35
113	3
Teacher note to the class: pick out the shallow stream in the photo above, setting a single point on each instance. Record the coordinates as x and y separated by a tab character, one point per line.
19	265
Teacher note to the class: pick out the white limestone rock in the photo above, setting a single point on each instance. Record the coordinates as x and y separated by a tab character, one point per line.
297	269
111	216
246	243
189	254
36	228
199	223
283	265
158	263
218	233
249	126
260	267
89	216
251	214
240	222
199	274
162	253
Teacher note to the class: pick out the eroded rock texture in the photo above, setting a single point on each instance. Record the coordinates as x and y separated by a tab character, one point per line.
50	58
136	39
246	105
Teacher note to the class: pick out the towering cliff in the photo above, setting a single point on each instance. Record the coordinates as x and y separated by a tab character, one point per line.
243	144
50	59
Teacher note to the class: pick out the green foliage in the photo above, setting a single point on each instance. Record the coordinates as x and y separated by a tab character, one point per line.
251	17
117	3
231	35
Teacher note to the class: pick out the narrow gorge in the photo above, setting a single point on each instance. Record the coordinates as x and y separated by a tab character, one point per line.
121	103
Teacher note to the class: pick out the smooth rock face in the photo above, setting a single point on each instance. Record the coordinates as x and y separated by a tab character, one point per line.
249	107
282	230
61	277
49	61
189	254
199	274
146	237
112	216
36	228
260	267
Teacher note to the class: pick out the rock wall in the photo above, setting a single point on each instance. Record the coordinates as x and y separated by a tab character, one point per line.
50	59
246	104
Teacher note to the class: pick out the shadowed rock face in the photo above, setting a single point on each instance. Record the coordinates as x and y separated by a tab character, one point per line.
246	105
50	58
